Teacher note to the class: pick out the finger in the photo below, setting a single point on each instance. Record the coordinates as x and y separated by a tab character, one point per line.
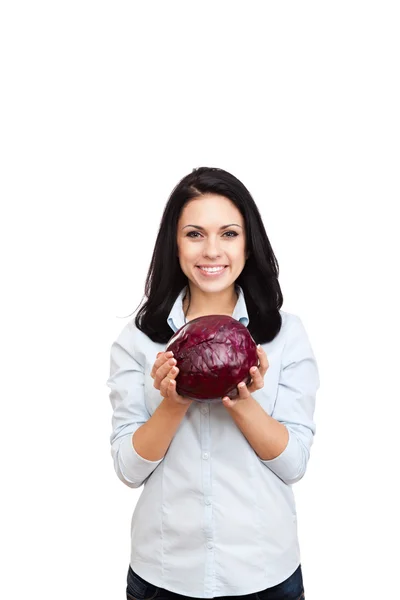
163	371
161	367
170	389
243	391
156	364
164	385
160	360
262	357
228	402
173	394
257	380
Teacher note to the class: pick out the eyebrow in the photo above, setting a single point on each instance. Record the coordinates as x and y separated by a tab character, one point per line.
223	226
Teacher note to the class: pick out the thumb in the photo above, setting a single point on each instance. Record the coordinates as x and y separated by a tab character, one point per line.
226	401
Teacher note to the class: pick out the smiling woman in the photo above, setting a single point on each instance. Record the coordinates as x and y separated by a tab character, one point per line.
217	513
209	222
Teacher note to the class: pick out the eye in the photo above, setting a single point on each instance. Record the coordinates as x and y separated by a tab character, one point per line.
194	234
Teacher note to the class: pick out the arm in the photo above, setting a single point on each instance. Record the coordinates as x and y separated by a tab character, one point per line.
153	438
283	440
134	462
266	436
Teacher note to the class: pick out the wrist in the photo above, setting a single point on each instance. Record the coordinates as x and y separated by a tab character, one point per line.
175	407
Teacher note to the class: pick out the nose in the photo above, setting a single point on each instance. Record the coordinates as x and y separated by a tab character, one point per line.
212	249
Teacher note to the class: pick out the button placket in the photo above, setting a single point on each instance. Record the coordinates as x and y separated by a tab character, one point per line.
205	437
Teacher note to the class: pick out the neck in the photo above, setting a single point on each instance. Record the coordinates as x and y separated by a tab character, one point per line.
203	303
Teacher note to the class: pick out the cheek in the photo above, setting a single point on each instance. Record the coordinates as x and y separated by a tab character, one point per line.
239	253
186	251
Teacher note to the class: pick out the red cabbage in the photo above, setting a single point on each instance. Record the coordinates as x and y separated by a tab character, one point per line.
213	354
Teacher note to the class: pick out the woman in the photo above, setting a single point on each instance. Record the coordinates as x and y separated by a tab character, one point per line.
217	515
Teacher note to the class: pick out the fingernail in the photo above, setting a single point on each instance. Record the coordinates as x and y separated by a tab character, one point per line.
241	385
253	369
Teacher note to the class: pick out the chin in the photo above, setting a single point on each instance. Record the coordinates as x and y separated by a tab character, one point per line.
215	286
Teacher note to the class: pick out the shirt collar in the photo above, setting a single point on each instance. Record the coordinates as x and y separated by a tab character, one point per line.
176	318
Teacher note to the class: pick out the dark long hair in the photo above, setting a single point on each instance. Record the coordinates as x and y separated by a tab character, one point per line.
258	279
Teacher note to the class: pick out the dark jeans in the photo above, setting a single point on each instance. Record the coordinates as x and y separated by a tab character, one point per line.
290	589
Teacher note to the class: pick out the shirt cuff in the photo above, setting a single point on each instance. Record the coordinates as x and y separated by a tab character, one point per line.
288	464
134	467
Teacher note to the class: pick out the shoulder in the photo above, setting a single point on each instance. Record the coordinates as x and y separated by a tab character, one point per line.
292	331
289	321
132	340
294	335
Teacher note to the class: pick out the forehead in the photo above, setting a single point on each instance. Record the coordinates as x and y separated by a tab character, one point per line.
210	209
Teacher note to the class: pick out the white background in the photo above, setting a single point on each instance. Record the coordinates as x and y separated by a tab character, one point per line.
105	106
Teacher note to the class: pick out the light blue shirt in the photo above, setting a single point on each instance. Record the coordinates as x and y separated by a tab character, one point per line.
213	518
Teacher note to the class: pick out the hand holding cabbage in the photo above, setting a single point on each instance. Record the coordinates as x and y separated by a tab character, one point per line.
214	354
164	373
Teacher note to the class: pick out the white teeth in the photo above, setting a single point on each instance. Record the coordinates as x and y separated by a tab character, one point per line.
212	269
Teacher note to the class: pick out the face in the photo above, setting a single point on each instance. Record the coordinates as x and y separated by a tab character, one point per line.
205	241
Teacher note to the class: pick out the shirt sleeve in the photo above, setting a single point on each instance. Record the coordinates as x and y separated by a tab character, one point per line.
295	403
126	383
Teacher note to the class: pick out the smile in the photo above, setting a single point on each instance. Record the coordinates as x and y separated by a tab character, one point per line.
211	271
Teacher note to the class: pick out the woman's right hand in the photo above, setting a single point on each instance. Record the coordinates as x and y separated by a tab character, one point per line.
164	372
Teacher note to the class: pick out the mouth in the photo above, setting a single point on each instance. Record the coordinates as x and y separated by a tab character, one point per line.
212	271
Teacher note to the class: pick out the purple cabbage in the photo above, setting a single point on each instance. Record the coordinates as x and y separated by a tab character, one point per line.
214	354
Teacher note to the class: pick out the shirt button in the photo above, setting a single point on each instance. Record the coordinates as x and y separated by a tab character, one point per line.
204	410
205	455
209	545
207	501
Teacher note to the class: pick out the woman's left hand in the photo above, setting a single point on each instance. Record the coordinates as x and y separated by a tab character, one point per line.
257	374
